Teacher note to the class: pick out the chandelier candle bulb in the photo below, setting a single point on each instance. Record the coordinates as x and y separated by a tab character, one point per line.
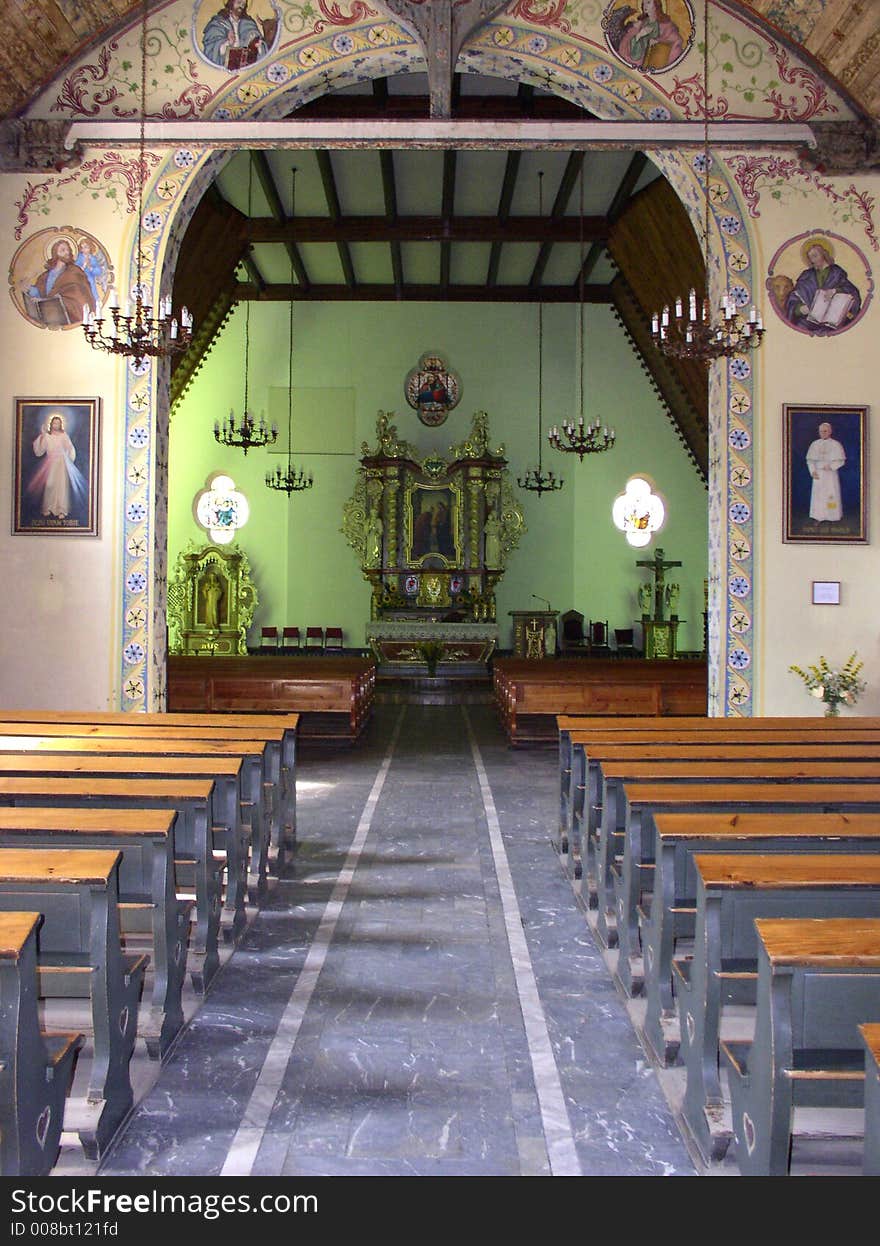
693	304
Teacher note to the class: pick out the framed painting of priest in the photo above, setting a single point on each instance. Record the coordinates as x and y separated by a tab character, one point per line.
825	474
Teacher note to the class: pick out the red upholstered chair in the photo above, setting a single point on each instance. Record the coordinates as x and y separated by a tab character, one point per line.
314	638
269	638
290	638
333	638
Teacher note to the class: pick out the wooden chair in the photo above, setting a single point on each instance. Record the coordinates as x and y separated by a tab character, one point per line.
269	638
624	642
333	638
315	638
290	638
597	639
572	638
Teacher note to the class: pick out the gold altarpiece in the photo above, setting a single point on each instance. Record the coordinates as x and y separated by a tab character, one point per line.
433	535
211	601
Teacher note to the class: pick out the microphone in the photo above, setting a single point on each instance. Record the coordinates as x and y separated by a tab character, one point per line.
543	599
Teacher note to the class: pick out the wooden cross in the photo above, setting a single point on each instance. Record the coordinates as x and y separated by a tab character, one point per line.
658	565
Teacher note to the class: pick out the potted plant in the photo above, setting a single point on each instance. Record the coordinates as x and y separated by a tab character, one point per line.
833	688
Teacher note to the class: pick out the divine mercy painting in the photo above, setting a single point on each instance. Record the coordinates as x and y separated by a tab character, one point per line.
55	488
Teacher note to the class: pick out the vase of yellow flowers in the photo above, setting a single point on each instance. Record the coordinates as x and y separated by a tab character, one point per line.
833	688
431	652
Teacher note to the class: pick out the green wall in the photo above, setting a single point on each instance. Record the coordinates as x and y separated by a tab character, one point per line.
350	361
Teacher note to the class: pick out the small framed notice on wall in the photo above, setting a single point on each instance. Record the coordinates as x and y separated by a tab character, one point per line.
826	592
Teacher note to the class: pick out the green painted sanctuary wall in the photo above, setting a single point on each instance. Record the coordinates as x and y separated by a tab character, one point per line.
350	362
605	574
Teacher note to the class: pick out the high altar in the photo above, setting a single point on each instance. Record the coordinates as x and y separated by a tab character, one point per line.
433	535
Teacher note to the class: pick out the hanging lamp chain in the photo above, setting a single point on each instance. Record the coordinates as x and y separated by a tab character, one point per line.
290	481
536	480
248	433
571	438
136	333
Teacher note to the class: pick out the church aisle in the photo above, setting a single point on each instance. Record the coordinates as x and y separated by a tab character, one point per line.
421	997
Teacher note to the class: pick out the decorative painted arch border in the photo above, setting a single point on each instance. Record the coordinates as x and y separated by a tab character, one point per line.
517	50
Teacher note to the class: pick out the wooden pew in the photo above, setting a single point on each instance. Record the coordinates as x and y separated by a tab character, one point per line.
279	758
530	695
80	956
253	779
871	1038
818	980
334	696
197	873
739	767
224	724
588	749
36	1067
733	890
151	916
644	801
226	837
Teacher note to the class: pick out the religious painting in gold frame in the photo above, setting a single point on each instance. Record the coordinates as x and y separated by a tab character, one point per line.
825	466
433	524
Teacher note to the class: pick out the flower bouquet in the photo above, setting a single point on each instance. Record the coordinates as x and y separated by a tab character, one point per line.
834	688
431	652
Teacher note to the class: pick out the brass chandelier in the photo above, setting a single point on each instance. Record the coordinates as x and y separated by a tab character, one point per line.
696	335
134	331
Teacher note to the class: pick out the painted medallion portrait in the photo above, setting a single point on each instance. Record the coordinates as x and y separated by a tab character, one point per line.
819	283
649	35
235	34
432	390
58	274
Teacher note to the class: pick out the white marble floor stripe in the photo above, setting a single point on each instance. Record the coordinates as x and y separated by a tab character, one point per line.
246	1143
561	1149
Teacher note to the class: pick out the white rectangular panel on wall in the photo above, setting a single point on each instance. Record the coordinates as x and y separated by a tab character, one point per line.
323	420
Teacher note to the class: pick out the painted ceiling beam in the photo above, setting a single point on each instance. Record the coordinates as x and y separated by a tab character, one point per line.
571	135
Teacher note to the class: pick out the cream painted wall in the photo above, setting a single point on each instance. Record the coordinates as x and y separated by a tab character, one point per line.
59	606
304	570
796	368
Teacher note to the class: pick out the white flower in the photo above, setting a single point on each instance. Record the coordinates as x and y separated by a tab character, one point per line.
818	692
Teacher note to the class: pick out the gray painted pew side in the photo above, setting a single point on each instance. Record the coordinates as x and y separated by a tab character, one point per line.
151	916
715	986
36	1066
80	957
197	872
818	981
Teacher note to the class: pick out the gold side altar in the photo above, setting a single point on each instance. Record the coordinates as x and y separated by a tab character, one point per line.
432	535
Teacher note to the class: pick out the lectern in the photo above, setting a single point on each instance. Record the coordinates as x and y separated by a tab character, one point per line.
540	626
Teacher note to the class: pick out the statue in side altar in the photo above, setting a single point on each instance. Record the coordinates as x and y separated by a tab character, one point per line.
492	534
645	595
672	595
373	542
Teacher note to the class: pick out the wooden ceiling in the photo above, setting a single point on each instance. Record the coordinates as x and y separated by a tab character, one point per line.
41	36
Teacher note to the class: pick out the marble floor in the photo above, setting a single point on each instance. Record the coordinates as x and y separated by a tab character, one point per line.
420	996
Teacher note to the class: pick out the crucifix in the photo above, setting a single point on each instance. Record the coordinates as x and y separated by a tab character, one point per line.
658	566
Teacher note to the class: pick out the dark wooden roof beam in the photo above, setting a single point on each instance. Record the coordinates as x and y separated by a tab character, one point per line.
325	165
560	203
423	293
627	186
270	190
508	186
389	193
447	211
430	229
